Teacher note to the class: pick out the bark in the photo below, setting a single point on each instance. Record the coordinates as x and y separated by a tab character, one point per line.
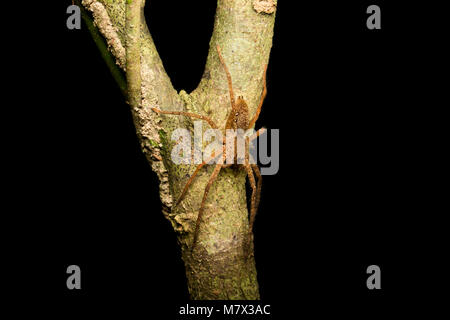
244	29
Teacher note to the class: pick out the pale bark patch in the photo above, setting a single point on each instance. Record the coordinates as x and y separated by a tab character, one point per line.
109	31
264	6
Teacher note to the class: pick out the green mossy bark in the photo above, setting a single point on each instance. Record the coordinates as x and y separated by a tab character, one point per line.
217	269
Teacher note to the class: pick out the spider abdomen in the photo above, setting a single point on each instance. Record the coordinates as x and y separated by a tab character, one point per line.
238	118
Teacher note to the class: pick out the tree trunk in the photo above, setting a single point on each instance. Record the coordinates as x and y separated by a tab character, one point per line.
217	268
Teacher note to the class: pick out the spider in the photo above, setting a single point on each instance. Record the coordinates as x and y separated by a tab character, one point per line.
237	119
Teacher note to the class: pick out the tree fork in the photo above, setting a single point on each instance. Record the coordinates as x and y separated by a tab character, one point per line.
217	269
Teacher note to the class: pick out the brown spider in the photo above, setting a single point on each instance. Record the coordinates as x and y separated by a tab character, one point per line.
237	119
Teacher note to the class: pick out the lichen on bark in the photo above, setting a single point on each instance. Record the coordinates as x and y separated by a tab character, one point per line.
217	268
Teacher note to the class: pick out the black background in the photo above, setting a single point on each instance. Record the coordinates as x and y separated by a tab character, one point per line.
343	199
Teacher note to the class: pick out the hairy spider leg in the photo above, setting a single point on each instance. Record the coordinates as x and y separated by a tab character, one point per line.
197	169
253	207
227	72
189	114
188	183
251	179
258	193
202	206
263	96
258	133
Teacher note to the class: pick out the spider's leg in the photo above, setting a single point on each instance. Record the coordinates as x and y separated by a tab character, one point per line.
201	165
202	206
263	96
258	191
230	84
253	208
183	193
189	114
257	134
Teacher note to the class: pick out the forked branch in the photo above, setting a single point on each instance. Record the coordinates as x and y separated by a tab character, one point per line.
243	29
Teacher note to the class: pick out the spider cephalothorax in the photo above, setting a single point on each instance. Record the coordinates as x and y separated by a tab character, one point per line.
238	118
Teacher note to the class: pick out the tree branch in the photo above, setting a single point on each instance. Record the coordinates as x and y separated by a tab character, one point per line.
110	18
133	52
107	56
156	88
244	30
